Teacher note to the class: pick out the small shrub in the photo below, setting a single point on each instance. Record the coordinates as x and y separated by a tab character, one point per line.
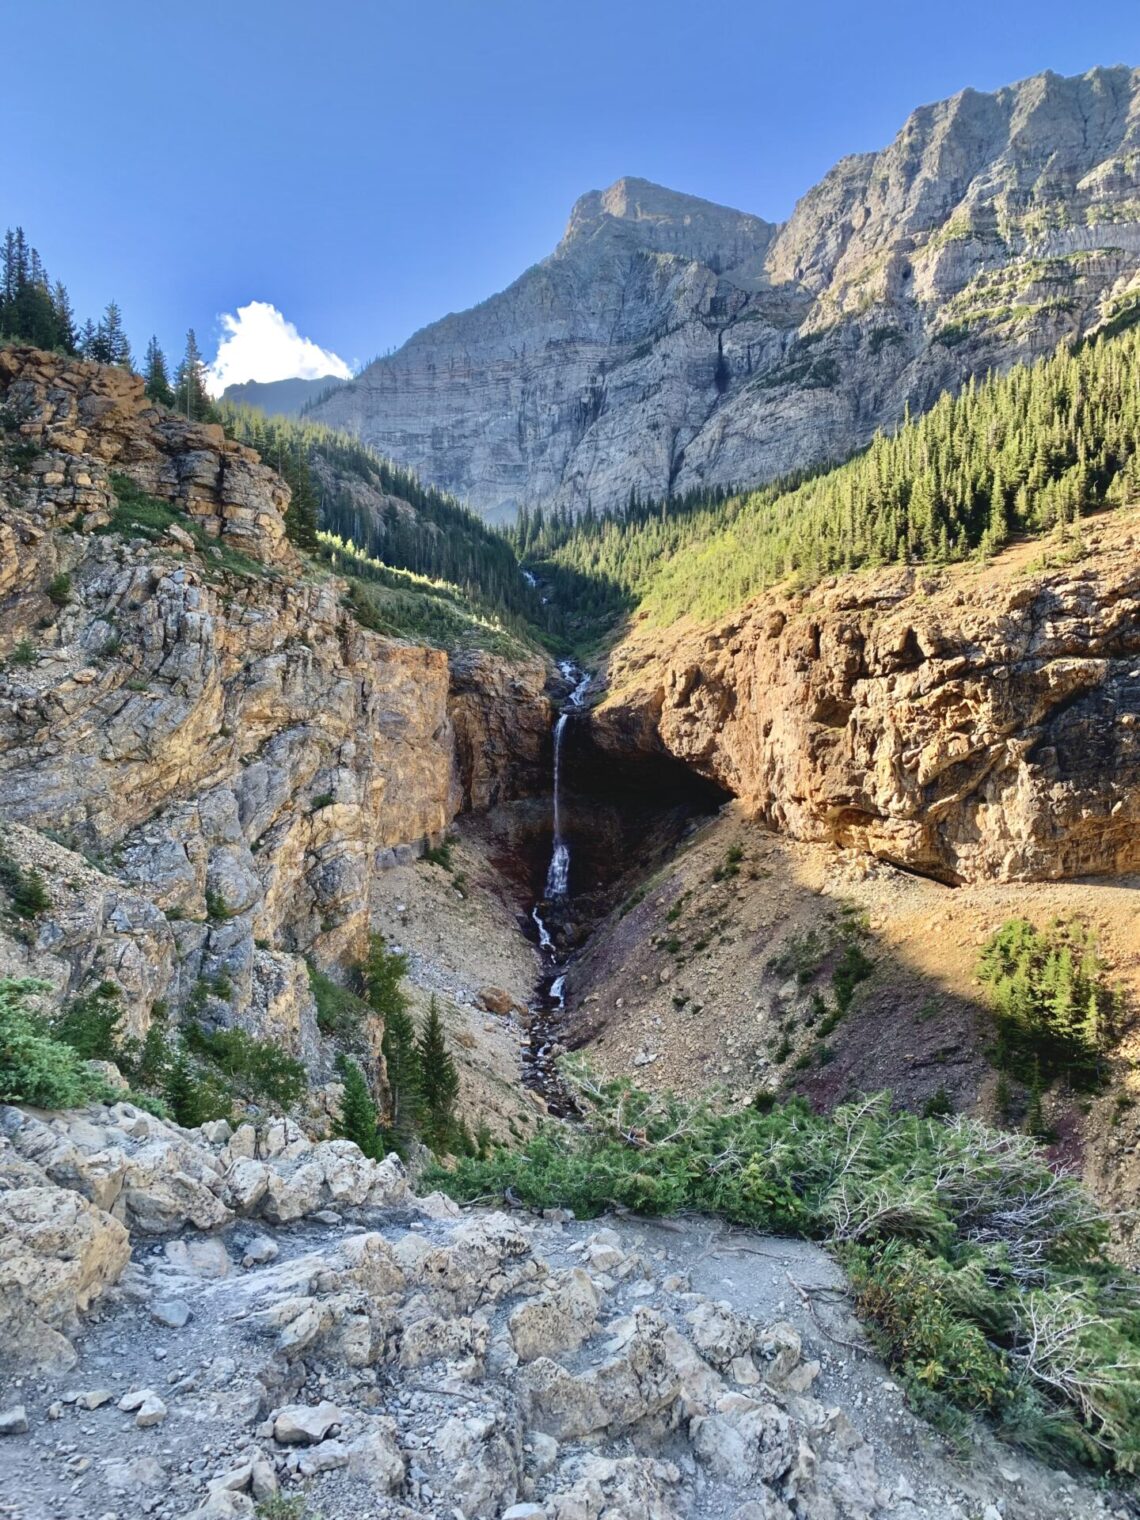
24	653
59	589
939	1106
217	909
35	1066
257	1069
192	1097
90	1024
800	956
783	1051
321	800
439	854
26	891
1054	1009
340	1012
854	967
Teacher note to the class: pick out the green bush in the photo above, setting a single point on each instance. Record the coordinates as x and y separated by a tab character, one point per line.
192	1096
1055	1011
90	1024
59	589
35	1066
257	1069
438	855
25	889
984	1272
340	1012
24	653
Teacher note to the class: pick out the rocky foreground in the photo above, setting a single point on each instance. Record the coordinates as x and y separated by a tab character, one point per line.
195	1322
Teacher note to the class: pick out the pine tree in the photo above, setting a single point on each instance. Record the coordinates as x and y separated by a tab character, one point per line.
359	1121
158	387
110	345
439	1082
383	973
191	397
180	1090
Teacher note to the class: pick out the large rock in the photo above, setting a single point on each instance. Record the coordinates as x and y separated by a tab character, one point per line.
669	343
58	1253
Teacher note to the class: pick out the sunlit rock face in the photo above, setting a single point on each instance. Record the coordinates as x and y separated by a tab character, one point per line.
668	343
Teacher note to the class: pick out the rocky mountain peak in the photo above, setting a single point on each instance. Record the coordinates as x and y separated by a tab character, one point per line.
666	221
669	344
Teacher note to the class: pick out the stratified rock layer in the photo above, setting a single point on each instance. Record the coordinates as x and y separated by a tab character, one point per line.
970	724
669	343
221	758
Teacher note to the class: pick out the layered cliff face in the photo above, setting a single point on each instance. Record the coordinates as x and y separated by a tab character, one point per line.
972	723
669	344
205	756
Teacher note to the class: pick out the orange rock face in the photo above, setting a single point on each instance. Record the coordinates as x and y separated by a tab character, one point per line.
973	723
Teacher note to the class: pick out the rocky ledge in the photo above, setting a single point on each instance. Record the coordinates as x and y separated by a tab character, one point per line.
268	1315
979	722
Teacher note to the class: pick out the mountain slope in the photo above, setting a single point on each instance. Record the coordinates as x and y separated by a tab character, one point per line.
669	344
278	398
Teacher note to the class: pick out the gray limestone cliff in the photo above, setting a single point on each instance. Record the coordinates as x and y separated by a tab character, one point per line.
669	343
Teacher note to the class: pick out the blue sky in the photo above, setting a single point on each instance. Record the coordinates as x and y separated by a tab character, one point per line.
367	167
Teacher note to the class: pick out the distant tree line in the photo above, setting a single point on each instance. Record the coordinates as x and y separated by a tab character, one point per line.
1010	454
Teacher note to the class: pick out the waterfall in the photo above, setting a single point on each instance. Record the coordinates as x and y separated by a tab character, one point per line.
558	874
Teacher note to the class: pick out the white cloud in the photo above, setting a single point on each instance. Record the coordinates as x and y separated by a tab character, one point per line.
259	344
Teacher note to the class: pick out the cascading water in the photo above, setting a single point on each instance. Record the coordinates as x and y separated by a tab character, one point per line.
545	1026
558	873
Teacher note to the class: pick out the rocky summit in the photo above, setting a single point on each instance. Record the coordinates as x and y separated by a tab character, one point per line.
669	344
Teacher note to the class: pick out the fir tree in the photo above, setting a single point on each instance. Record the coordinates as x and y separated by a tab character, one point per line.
110	345
158	387
439	1082
191	397
359	1121
383	974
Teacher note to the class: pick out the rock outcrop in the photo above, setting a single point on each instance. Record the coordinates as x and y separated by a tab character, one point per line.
212	758
669	343
973	723
386	1355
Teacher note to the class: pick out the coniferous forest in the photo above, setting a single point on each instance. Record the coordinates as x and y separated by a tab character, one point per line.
1012	454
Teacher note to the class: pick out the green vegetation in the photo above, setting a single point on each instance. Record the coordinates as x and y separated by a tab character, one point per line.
32	308
359	1117
340	1012
35	1066
423	1082
138	515
983	1273
90	1024
59	589
24	654
377	520
1016	453
1056	1013
439	1085
25	890
256	1069
404	604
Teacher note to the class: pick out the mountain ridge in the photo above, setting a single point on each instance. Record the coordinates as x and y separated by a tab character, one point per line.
668	344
